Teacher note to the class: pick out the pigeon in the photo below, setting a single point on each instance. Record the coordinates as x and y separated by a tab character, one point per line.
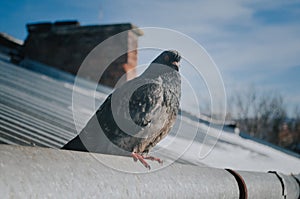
136	115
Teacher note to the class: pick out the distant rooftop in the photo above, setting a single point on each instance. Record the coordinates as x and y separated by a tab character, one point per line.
9	39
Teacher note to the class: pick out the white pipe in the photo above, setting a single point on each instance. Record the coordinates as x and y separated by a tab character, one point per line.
32	172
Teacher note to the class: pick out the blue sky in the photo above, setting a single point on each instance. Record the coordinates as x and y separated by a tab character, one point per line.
252	42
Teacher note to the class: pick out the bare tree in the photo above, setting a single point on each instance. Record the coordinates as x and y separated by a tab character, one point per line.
259	114
295	128
240	105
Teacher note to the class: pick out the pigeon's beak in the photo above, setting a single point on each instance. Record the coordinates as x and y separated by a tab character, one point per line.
176	63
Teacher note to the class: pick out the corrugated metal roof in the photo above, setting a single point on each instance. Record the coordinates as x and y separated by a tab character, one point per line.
35	109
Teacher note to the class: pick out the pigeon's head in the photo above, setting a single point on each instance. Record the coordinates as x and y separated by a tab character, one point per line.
170	58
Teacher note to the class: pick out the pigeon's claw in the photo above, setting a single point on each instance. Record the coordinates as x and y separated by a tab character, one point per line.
141	158
154	159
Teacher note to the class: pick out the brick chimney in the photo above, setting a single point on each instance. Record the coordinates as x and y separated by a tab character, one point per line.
64	45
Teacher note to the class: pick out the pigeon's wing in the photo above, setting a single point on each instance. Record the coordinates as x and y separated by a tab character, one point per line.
154	108
145	104
132	113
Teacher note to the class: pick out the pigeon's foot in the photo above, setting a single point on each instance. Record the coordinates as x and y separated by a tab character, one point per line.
141	158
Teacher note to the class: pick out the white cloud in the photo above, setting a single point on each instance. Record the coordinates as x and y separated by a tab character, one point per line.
267	47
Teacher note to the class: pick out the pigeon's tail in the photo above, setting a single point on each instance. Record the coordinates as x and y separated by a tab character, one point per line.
75	144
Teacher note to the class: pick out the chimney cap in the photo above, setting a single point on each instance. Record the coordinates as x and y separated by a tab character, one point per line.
39	27
67	23
42	27
47	26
